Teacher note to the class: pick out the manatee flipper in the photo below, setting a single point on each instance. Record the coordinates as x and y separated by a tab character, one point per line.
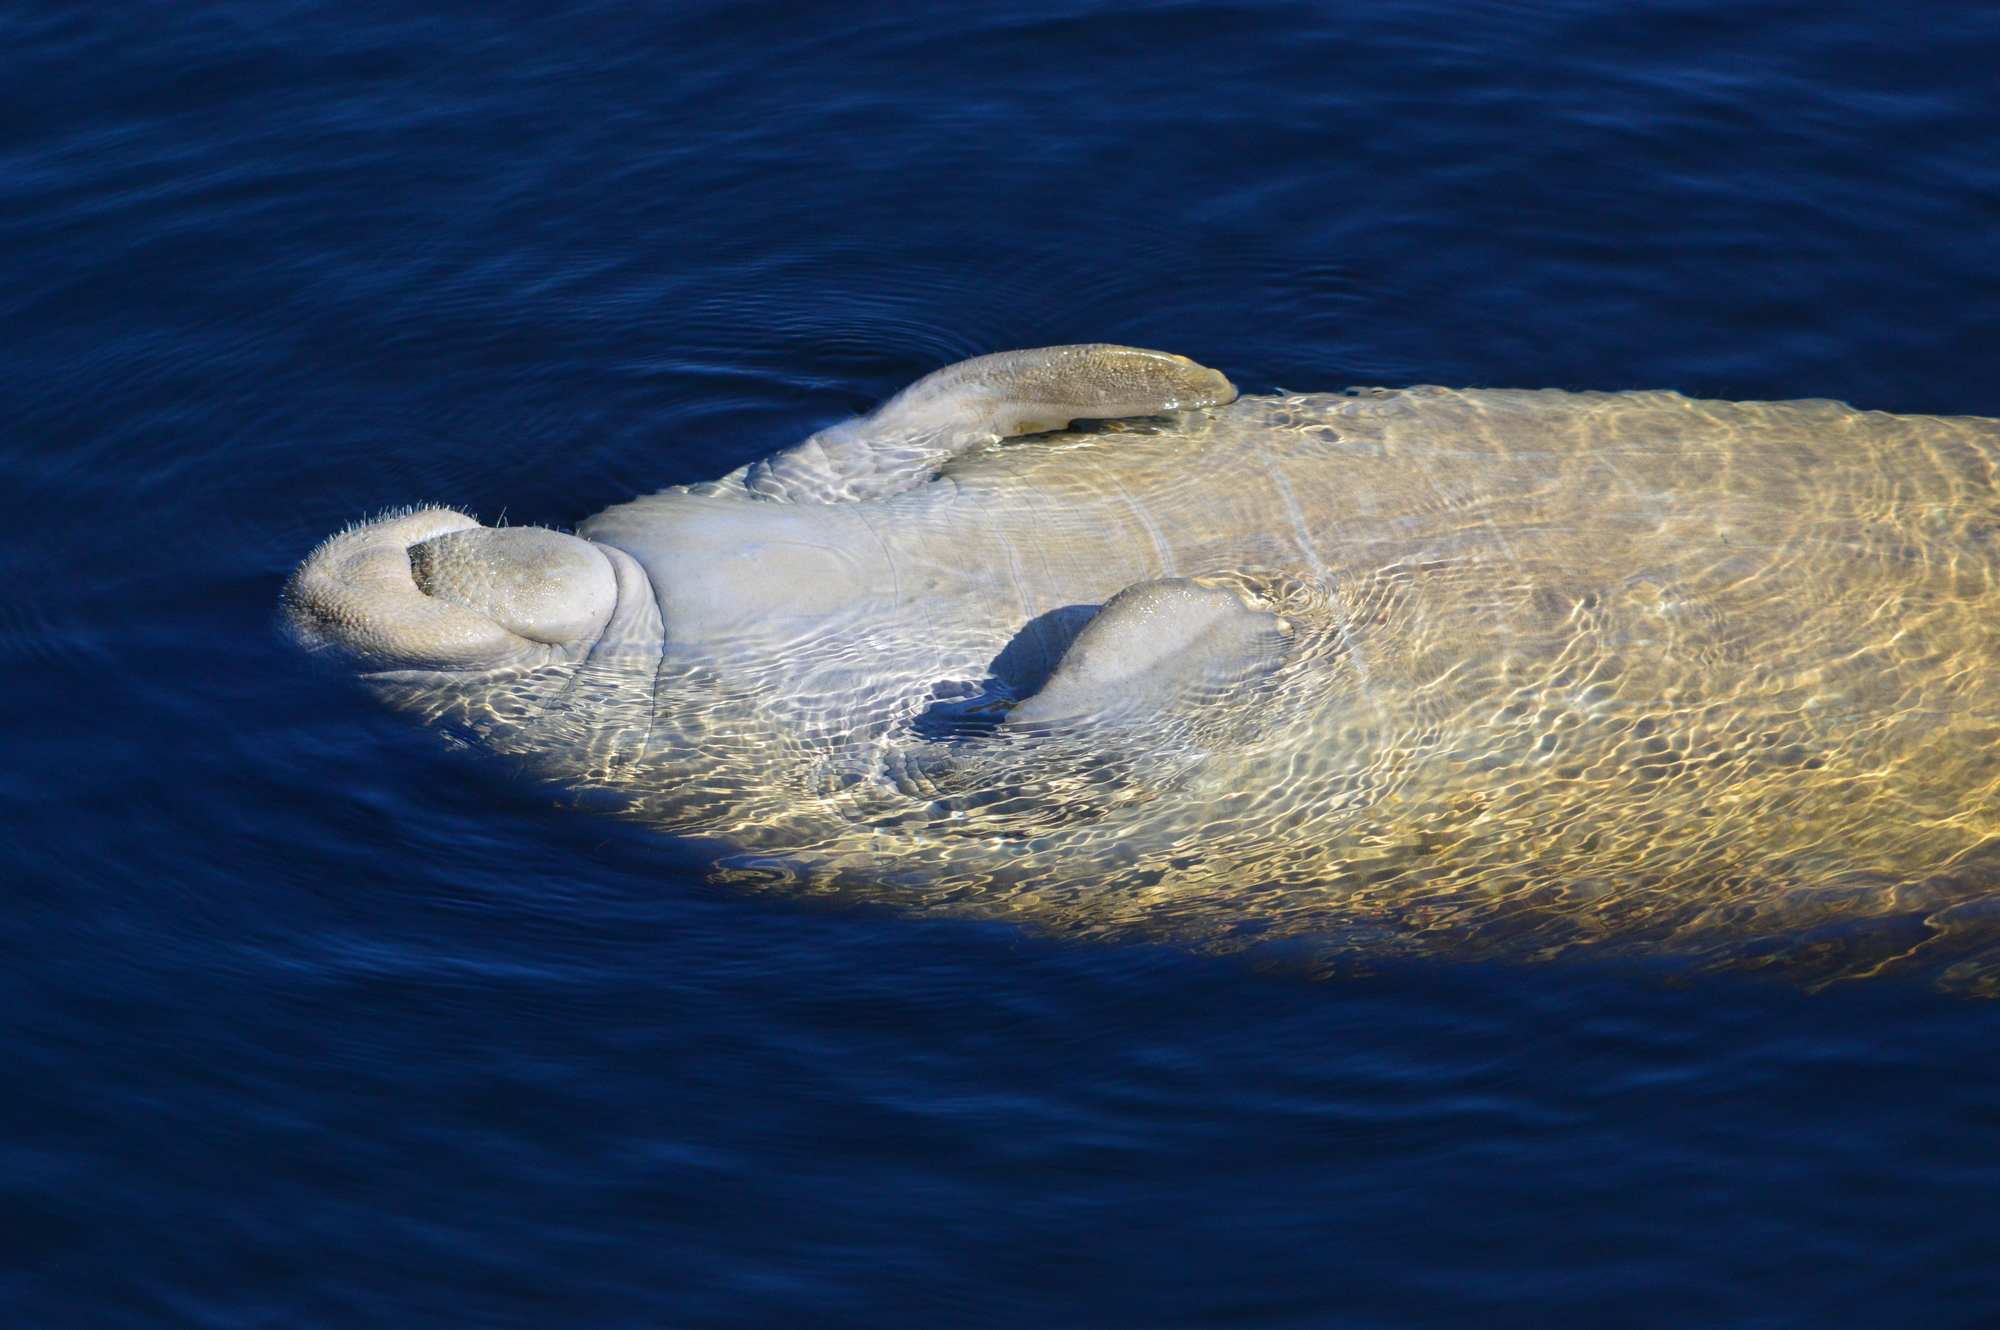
904	442
1157	660
1154	648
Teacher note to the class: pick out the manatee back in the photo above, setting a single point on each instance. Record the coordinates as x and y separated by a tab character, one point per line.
1574	670
1564	672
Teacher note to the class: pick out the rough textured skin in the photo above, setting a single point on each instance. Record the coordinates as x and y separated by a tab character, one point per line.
539	585
1518	673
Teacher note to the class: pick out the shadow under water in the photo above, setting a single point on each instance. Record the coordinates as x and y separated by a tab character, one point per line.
1557	675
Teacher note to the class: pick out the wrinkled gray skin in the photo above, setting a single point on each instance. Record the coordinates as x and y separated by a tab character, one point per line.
1475	672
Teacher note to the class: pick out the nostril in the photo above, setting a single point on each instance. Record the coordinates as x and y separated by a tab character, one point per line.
542	585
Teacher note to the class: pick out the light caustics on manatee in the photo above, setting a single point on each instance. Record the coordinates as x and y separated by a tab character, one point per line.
1642	673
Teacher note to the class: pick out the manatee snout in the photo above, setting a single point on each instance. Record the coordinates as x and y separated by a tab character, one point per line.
434	590
541	585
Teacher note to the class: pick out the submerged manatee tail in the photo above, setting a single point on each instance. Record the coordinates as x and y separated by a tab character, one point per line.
902	443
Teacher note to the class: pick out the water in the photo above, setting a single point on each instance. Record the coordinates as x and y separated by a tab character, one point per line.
314	1021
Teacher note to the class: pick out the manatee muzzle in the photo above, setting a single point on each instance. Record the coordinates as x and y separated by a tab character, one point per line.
541	585
434	590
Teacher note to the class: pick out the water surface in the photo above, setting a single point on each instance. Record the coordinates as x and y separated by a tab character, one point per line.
315	1021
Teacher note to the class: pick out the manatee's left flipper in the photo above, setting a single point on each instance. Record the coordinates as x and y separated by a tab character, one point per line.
1155	648
907	439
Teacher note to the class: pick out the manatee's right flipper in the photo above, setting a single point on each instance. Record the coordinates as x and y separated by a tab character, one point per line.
1148	686
902	443
1154	649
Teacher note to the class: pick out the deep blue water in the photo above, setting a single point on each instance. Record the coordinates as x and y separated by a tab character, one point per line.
309	1022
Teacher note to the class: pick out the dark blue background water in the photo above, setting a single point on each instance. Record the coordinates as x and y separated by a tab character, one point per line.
309	1023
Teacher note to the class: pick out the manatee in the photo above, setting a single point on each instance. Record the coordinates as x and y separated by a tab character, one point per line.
1077	638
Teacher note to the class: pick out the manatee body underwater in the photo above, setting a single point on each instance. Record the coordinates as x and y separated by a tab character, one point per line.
1076	638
